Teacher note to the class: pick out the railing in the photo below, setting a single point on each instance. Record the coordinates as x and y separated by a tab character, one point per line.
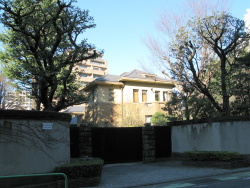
47	174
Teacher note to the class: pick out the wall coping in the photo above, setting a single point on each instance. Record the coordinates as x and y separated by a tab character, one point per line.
210	120
34	115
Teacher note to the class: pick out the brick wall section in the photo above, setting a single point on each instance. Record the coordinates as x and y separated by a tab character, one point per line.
148	142
85	141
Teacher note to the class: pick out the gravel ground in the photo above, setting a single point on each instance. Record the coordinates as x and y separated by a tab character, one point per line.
138	174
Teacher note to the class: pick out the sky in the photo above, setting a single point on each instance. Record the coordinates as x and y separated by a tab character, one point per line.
122	26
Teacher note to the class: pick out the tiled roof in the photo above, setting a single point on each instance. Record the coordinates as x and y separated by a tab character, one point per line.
141	75
132	75
109	78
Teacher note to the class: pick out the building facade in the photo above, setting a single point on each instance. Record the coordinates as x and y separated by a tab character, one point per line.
126	100
19	100
88	71
91	69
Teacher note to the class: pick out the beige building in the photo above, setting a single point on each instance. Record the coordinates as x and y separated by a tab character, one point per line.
126	100
19	100
91	69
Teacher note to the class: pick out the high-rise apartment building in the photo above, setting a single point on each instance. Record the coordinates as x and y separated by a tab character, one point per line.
88	71
91	69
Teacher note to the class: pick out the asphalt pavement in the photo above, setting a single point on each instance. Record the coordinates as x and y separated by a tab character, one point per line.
139	174
231	180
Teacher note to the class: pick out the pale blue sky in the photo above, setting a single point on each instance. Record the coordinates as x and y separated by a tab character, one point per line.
122	25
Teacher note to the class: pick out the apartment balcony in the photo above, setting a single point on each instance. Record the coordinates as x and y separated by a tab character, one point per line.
99	72
96	64
95	72
87	71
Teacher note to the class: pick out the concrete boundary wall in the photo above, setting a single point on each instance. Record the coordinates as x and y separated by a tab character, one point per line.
33	141
231	134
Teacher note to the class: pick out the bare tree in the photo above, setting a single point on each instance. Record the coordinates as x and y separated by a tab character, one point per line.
187	68
226	37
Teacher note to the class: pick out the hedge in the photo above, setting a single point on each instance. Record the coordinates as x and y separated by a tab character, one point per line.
212	156
82	168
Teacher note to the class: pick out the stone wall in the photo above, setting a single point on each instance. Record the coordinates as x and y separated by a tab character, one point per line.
33	141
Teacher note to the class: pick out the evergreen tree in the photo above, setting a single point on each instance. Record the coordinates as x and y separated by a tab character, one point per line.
41	48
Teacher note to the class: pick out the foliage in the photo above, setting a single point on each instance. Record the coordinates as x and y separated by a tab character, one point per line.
197	106
241	90
159	118
174	29
80	168
174	106
222	34
212	155
205	53
41	48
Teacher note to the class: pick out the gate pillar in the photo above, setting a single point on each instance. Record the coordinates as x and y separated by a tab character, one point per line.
148	142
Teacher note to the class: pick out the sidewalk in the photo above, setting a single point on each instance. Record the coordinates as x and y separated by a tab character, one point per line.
138	174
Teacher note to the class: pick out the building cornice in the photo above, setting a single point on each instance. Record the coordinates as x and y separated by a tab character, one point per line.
96	82
124	79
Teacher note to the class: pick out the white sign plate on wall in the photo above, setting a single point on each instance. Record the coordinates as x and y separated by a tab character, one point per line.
47	126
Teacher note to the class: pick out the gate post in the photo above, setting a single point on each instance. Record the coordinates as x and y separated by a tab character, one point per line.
148	143
85	142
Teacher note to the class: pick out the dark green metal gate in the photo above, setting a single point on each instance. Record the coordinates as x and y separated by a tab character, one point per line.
117	144
163	146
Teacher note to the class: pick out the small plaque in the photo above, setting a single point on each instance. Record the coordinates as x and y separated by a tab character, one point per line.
47	126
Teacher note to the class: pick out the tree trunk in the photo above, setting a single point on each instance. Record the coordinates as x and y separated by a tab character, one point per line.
187	114
225	96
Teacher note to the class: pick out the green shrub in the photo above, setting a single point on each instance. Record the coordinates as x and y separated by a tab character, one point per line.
80	168
212	156
159	118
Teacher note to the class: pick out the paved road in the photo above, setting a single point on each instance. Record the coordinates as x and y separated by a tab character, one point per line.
233	180
139	174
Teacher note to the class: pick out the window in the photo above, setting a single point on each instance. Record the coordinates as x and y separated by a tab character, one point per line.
96	63
84	67
165	96
148	119
144	95
135	95
157	95
83	84
106	124
96	68
111	95
93	95
84	75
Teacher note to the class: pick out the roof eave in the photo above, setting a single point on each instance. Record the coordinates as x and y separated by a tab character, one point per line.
92	84
147	81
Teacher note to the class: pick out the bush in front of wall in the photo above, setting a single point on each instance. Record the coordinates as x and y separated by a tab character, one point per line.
83	172
212	156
